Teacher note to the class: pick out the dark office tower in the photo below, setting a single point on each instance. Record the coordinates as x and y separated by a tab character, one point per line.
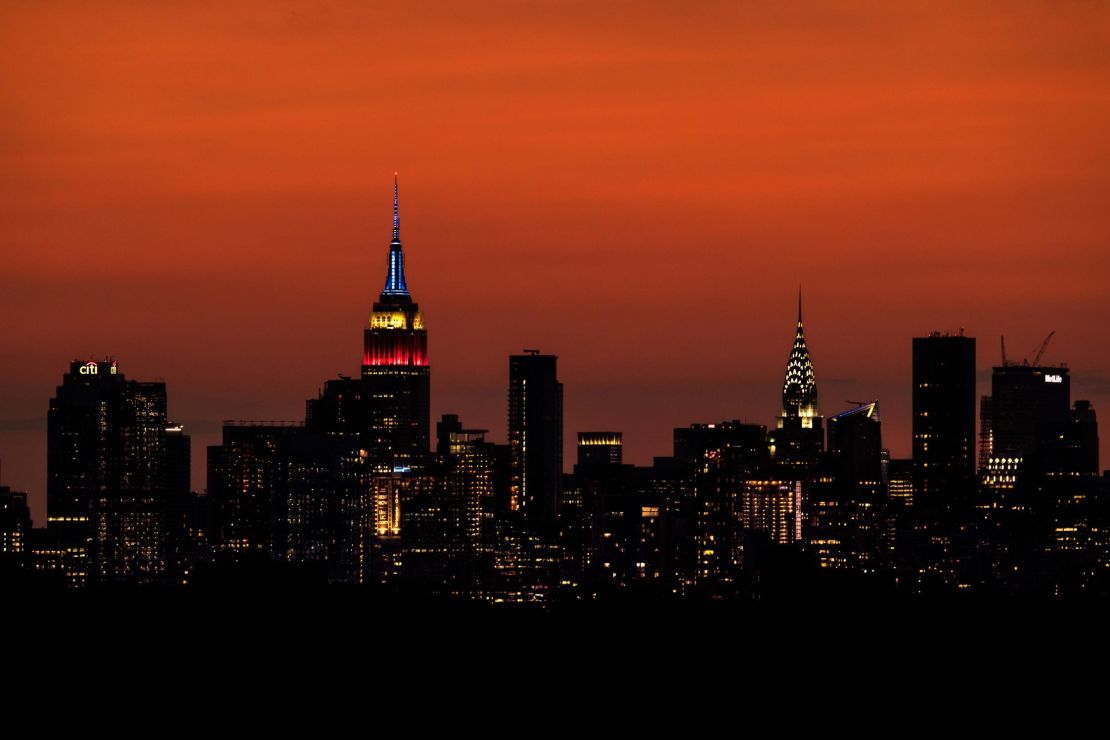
395	372
318	513
986	431
943	418
339	408
855	444
612	539
1081	440
106	475
178	461
287	499
448	528
15	532
600	448
246	475
1080	515
846	509
798	437
535	435
1031	410
180	505
718	459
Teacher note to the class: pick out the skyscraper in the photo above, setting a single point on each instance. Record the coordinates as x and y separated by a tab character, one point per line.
180	504
943	418
855	444
247	473
283	494
535	435
936	543
845	507
1052	504
798	438
448	527
1081	440
107	475
600	448
719	460
15	532
986	431
395	372
1031	411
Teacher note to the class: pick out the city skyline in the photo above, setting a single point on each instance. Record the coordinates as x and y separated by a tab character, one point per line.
356	497
395	285
575	181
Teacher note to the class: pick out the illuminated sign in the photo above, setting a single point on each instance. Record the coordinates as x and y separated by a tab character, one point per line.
91	368
1054	378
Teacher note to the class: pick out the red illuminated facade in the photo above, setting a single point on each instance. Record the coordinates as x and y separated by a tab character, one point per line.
395	346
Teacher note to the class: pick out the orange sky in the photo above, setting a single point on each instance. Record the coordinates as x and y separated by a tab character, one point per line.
204	193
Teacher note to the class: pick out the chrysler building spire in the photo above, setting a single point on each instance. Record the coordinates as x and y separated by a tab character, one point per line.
799	390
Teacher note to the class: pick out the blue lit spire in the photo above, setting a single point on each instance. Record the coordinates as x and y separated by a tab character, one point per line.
396	217
395	282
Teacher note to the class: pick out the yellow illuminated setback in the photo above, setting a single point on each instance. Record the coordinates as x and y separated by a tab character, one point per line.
395	320
599	439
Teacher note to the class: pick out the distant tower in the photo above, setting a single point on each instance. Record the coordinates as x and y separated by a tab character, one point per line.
798	438
535	435
856	445
1032	411
395	373
986	431
600	448
944	418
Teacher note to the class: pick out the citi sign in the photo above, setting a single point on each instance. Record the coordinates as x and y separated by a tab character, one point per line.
91	368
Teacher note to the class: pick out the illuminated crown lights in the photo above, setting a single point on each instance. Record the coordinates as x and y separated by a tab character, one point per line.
799	391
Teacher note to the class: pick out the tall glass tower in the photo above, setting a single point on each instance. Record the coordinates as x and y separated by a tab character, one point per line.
535	435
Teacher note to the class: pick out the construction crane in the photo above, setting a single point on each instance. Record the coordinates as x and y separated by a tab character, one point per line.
1044	346
1039	350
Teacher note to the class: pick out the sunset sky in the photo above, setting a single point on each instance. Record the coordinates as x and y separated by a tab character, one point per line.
202	190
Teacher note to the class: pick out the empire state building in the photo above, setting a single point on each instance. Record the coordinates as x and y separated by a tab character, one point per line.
395	372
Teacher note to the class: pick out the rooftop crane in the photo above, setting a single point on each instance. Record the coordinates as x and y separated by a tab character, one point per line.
1039	350
1044	346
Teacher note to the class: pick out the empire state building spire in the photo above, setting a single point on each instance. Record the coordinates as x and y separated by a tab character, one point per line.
397	217
395	281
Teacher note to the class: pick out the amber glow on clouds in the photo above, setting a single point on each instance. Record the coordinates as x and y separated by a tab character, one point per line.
203	191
